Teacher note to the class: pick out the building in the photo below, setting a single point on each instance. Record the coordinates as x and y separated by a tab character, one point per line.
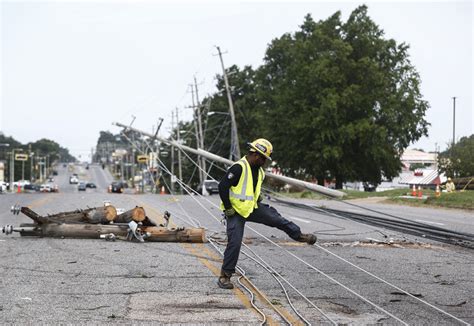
425	174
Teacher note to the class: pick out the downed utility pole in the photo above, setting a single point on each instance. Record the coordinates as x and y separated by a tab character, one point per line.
121	231
136	214
96	215
292	181
77	224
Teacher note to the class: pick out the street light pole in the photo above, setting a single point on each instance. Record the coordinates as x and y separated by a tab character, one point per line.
12	169
454	120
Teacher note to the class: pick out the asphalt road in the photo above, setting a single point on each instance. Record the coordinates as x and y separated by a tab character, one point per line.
79	281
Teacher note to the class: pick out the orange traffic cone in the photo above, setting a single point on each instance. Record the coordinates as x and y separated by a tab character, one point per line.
413	191
19	188
420	193
437	191
162	192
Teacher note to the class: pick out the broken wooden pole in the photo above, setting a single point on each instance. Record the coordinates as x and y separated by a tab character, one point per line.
33	215
94	231
103	214
136	214
161	234
81	231
97	215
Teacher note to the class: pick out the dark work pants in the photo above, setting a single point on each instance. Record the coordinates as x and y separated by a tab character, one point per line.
264	214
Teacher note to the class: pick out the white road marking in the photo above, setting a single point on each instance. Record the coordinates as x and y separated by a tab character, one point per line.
429	222
300	220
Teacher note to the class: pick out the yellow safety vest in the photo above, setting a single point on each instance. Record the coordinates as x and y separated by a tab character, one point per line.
242	197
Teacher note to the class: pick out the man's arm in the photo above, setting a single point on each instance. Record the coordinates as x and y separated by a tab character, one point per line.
230	179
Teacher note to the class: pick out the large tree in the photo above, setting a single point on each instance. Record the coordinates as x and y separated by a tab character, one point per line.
458	160
340	100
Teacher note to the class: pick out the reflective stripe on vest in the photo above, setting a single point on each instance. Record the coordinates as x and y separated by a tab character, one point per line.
243	197
245	172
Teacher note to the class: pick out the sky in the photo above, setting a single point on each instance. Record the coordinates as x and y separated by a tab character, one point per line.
69	69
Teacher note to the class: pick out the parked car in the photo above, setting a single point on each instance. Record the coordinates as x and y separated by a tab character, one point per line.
90	185
20	183
81	186
118	187
368	187
73	179
45	188
3	186
31	187
212	187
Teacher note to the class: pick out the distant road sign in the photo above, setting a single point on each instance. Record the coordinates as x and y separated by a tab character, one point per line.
21	157
142	158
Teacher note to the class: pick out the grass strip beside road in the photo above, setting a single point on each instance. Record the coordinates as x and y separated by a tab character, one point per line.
458	199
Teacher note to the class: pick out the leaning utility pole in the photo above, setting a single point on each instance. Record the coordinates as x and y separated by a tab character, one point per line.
172	151
234	139
213	157
198	141
201	134
180	171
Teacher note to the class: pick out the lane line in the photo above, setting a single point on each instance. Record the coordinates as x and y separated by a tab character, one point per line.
202	249
41	201
429	222
299	219
198	250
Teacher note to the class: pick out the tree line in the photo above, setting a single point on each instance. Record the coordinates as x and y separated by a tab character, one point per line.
40	148
337	99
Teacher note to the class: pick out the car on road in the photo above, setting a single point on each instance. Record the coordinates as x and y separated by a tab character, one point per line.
20	183
118	187
31	187
212	187
73	179
45	188
3	186
91	185
81	186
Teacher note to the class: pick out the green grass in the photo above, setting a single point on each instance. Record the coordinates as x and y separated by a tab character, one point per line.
303	194
460	200
354	194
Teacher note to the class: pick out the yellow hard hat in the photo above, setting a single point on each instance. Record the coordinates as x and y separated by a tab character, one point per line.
262	146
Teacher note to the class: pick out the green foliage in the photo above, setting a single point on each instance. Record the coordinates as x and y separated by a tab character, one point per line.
458	160
417	166
336	99
41	148
344	102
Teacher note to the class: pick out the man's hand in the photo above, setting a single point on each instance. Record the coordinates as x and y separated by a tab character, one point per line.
229	212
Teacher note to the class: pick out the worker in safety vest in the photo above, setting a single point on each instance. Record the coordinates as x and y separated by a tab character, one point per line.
450	187
241	199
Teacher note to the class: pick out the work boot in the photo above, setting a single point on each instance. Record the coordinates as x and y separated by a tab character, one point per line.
308	238
224	281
